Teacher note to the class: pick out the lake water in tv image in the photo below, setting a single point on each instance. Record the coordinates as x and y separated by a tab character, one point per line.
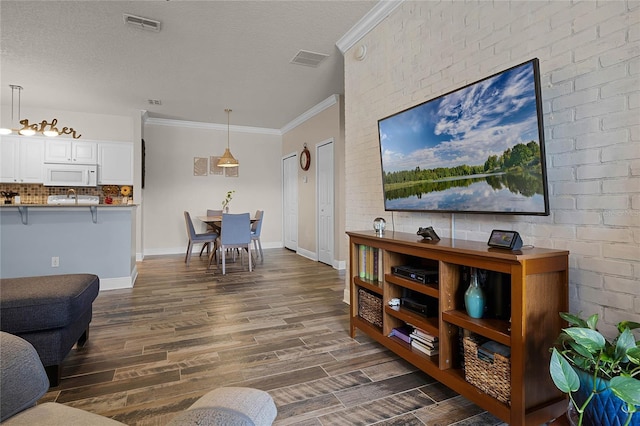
502	192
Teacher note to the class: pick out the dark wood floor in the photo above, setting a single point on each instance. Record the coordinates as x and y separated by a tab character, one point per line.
181	331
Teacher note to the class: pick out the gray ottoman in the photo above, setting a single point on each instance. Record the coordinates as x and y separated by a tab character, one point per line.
50	312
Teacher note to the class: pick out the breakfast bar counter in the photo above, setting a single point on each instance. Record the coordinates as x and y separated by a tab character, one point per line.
49	239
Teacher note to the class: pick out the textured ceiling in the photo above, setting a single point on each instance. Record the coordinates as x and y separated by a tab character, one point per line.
208	56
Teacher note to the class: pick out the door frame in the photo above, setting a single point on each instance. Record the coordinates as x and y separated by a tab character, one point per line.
329	141
293	155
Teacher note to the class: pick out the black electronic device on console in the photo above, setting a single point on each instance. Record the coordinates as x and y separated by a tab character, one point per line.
419	303
423	276
428	233
505	239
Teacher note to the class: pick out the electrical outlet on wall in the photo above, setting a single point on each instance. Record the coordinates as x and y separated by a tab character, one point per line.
55	261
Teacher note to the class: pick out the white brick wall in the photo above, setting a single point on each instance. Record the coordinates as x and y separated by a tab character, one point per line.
590	72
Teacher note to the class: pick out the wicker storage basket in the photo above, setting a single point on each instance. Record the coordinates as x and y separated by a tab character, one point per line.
370	307
493	378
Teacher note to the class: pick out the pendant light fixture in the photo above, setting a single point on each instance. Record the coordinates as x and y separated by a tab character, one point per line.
227	159
15	116
23	127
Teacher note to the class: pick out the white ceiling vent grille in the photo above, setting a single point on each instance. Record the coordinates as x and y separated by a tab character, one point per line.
309	59
142	23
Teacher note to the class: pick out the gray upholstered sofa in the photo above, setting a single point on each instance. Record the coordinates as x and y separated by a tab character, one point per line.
24	382
51	312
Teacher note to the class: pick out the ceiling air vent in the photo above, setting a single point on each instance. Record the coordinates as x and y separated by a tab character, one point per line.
309	59
142	23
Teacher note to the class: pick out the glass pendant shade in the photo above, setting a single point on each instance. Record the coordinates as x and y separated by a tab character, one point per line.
27	132
16	122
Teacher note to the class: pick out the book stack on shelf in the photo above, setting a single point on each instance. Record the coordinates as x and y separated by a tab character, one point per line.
424	342
370	263
403	333
417	338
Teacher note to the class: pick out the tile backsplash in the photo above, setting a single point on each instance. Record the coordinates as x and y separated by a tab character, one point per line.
33	193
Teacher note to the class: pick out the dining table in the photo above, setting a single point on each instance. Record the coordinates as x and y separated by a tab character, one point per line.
216	223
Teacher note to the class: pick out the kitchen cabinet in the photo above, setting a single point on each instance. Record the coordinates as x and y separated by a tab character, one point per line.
528	324
115	163
71	151
21	159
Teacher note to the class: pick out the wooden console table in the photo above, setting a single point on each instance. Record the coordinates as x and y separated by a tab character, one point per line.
539	291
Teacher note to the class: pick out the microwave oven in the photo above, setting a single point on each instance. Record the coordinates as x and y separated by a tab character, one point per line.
70	175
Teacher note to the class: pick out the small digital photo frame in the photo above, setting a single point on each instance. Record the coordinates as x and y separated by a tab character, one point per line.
509	240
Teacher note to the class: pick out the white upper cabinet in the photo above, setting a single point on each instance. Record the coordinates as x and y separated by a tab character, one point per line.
21	159
115	163
71	151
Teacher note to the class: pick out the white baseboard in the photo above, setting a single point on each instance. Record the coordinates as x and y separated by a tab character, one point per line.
107	284
308	254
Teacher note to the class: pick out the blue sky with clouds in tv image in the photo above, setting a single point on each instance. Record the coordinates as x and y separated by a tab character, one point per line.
465	126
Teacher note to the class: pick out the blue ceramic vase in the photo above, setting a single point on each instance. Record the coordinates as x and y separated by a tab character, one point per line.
474	299
605	408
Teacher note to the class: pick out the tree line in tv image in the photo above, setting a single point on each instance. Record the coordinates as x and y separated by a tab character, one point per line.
517	170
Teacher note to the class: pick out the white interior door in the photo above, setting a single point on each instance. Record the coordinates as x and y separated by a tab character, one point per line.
324	156
290	201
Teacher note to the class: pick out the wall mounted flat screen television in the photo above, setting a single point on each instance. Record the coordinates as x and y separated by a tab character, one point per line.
477	149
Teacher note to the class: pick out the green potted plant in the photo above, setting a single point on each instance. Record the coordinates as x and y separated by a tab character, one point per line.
595	371
227	200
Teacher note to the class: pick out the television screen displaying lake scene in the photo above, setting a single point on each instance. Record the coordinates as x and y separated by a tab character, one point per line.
479	149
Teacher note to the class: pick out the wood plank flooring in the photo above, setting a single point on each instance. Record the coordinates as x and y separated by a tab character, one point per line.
181	331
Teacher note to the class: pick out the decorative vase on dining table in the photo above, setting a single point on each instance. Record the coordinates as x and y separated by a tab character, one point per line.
474	299
226	209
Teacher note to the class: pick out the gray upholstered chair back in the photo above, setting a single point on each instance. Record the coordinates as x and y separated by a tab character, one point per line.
23	380
236	229
256	227
191	231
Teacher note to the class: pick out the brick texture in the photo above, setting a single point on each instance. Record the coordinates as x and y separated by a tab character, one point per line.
590	73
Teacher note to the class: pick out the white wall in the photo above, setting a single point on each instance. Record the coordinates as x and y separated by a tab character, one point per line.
89	126
320	127
171	187
590	64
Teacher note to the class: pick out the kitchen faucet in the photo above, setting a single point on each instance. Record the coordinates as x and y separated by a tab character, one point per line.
72	191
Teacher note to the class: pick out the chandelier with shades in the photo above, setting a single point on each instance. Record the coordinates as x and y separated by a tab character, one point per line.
24	127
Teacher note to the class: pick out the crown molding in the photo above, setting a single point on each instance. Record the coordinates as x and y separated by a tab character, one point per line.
315	110
368	22
310	113
210	126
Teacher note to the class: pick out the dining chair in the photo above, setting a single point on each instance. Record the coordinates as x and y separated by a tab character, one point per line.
205	238
235	233
210	227
256	228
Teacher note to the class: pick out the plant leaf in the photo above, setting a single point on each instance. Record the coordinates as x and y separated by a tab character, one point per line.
634	355
626	388
627	324
573	319
581	350
625	341
592	321
590	339
563	375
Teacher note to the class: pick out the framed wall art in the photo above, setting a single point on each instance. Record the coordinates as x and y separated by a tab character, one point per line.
200	166
231	171
213	166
